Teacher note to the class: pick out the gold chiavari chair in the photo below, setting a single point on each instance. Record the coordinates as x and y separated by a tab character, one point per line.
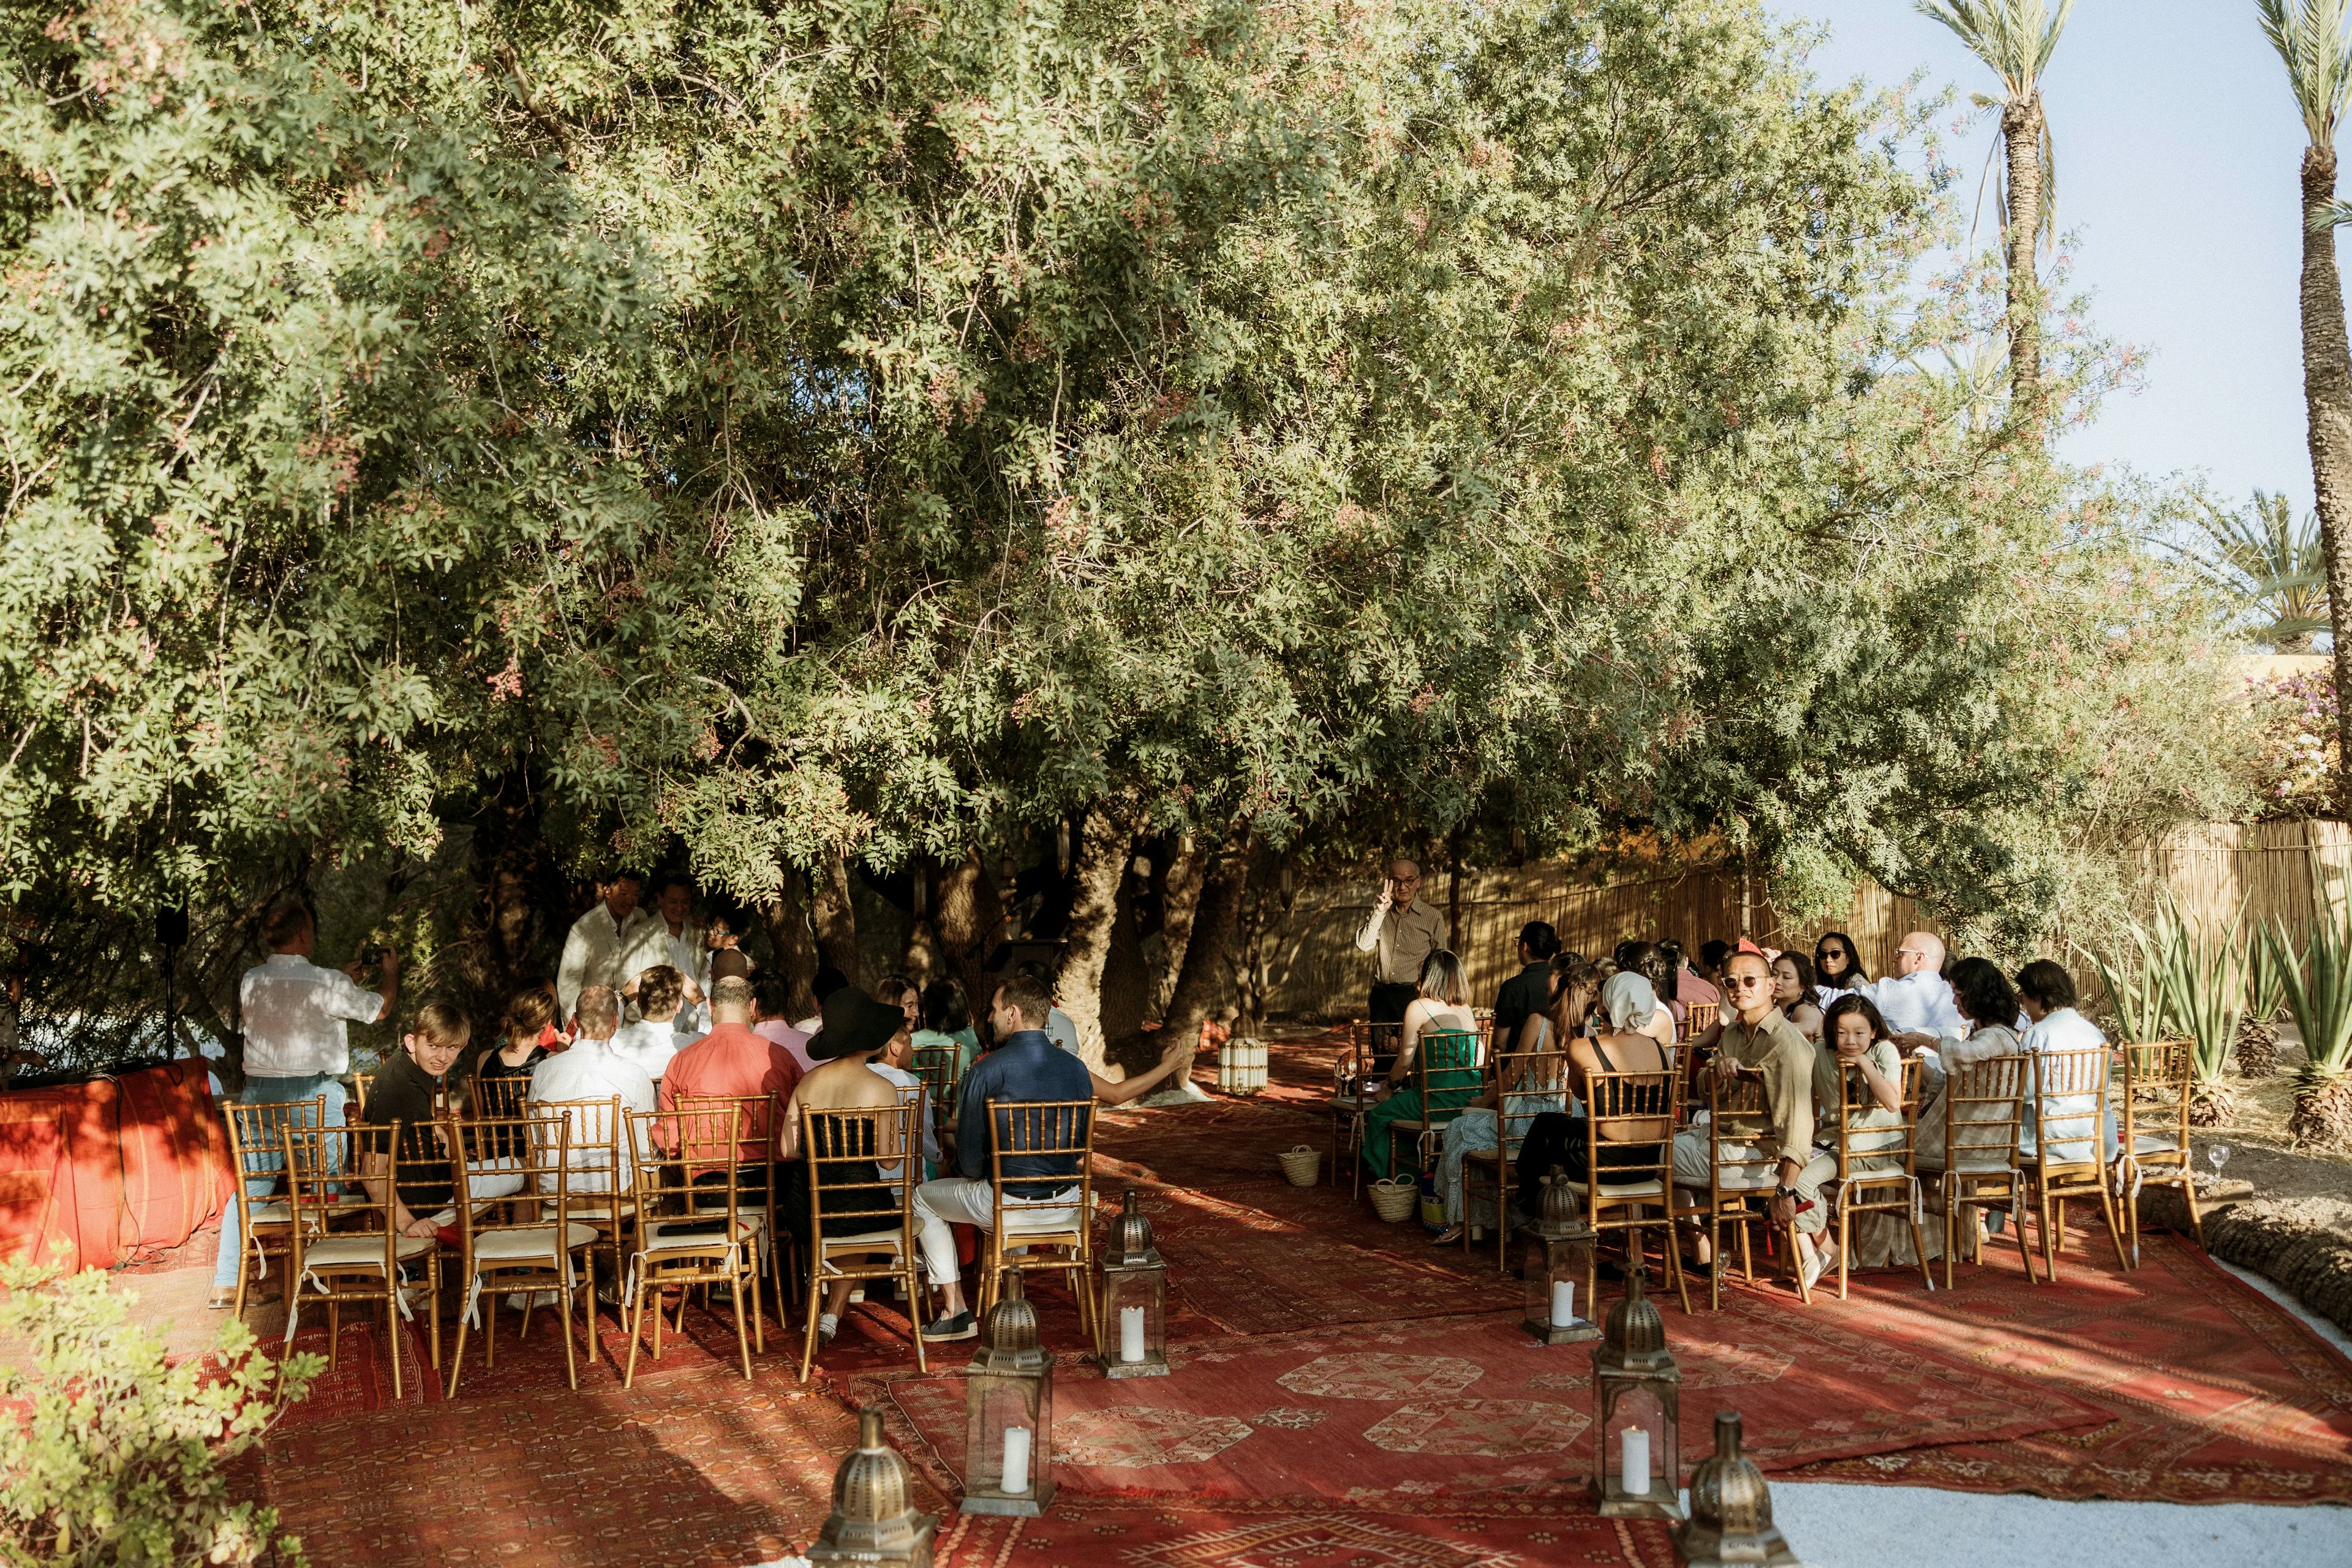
1037	1230
1878	1170
1448	1070
862	1165
1984	1107
693	1226
1743	1169
349	1174
526	1244
2158	1082
2070	1152
940	1069
1698	1017
1528	1084
503	1097
601	1192
1631	1174
256	1144
1352	1099
755	1180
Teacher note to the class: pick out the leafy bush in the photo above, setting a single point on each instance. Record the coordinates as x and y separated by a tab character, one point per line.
2293	758
113	1456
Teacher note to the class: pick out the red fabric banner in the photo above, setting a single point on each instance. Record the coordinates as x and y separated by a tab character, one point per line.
91	1172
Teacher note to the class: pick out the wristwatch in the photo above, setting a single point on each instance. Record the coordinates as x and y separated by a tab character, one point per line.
1784	1192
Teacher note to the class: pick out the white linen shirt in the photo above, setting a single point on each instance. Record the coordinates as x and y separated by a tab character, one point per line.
295	1013
1917	1004
591	1070
649	1044
598	953
689	951
2076	1119
929	1133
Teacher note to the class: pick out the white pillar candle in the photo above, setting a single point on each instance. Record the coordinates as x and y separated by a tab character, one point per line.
1563	1302
1634	1465
1016	1459
1131	1334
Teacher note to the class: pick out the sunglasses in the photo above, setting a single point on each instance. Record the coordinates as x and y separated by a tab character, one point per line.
1745	982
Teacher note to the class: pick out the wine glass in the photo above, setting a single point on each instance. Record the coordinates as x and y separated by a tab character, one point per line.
2216	1155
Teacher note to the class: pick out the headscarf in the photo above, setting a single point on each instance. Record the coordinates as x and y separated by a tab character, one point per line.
1629	1000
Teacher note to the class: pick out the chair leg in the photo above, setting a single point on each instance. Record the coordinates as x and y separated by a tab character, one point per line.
392	1330
1715	1265
1919	1251
634	1309
743	1341
489	1323
1845	1246
2024	1254
1797	1262
2189	1197
433	1308
2107	1212
816	1302
334	1333
566	1298
1952	1234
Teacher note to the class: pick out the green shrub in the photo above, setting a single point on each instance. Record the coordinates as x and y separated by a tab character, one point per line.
108	1454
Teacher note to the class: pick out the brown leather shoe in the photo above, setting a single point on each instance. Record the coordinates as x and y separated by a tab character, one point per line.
258	1296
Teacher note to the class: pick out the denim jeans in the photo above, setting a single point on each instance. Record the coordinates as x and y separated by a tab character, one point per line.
262	1166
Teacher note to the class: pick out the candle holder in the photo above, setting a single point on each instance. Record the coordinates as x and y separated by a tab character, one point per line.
1731	1511
1637	1412
1008	1456
1134	1300
1559	1264
872	1524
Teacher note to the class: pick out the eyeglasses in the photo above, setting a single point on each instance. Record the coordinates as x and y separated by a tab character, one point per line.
1748	982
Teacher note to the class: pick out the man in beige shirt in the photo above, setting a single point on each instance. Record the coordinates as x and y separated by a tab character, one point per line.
1758	1042
1403	933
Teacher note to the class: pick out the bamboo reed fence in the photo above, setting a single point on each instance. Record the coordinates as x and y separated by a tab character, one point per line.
2272	869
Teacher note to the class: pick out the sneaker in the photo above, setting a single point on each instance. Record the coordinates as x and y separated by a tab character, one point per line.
1449	1236
1820	1263
959	1327
827	1325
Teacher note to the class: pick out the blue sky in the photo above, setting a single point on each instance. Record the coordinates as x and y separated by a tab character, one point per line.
2177	150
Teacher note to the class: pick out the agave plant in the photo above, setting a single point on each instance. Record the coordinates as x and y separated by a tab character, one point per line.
2265	1000
2204	979
2318	986
2135	986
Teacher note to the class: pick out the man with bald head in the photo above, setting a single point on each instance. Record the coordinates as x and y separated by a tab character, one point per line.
1404	932
1916	1000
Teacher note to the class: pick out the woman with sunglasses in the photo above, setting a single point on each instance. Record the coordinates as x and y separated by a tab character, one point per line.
1837	967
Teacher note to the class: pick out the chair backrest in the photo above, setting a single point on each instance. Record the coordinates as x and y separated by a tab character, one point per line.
2070	1104
256	1132
541	1142
1042	1128
1354	1058
937	1066
1382	1038
504	1097
1984	1109
596	1142
1526	1084
2159	1080
1698	1017
1889	1145
1448	1071
322	1165
858	1163
1637	1105
1739	1117
681	1161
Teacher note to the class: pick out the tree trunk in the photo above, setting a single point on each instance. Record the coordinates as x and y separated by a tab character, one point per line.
792	939
836	918
2327	400
1215	917
1453	893
2020	130
1106	846
1180	901
966	916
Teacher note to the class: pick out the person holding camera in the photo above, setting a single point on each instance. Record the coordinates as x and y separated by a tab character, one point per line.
1403	933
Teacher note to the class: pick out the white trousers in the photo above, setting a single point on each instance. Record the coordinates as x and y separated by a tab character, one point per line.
965	1200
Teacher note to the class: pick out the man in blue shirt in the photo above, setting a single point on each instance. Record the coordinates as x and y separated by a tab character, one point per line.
1026	1068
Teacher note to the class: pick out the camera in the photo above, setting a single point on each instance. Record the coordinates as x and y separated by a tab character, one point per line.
372	955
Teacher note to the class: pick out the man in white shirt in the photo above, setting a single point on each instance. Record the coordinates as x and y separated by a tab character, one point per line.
591	1071
295	1047
1916	1000
663	1030
2046	992
602	942
1403	934
673	936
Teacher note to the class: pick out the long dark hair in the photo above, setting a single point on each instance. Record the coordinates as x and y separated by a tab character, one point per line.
1805	981
1853	975
1853	1004
1983	993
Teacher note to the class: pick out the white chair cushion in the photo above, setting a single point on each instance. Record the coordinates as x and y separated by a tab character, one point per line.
1747	1178
366	1251
872	1241
528	1246
657	1237
269	1214
2156	1143
1650	1189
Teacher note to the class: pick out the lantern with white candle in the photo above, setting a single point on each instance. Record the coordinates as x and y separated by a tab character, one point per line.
872	1524
1134	1299
1558	1267
1009	1413
1637	1409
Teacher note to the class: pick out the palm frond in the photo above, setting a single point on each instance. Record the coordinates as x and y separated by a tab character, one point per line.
2273	566
2015	37
2312	42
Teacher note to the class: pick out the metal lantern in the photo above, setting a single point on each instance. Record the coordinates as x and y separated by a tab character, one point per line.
1134	1299
1008	1461
1731	1511
1637	1413
1558	1265
872	1522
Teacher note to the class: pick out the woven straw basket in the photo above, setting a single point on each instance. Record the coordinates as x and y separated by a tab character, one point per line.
1302	1165
1395	1199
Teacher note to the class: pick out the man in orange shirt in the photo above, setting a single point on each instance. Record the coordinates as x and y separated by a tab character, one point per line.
732	1060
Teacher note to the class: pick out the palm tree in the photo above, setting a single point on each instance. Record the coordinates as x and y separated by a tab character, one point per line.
2314	38
2273	566
2016	37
